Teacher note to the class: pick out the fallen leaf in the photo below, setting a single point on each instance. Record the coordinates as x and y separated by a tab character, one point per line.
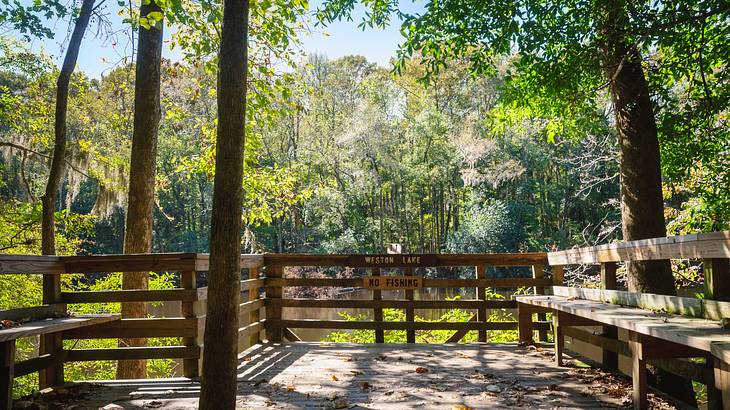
290	388
334	378
421	369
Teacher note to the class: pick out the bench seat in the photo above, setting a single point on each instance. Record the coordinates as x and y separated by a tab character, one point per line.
697	333
55	325
652	335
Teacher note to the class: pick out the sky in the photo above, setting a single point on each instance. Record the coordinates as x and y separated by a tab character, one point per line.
101	53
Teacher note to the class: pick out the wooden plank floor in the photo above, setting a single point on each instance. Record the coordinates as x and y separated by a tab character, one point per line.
325	375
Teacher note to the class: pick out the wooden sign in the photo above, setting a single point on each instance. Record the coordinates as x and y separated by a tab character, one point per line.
393	282
392	261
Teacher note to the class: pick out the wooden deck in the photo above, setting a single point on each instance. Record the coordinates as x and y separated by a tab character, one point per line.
322	375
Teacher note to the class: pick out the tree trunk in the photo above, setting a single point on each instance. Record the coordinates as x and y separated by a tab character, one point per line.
221	325
642	207
48	201
138	229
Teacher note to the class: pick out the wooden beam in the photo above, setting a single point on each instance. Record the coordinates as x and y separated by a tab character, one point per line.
273	312
538	272
494	259
346	324
134	353
33	313
524	319
378	312
638	372
481	273
185	327
112	296
188	281
608	282
394	304
459	334
10	264
7	367
152	262
410	312
427	282
253	296
291	336
717	278
697	246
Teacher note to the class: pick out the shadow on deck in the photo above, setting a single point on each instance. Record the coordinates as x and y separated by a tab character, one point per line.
325	375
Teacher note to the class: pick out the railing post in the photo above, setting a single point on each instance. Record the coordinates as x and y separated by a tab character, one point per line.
538	272
410	312
191	367
378	312
254	316
274	332
717	278
558	275
608	282
7	368
52	343
717	287
481	271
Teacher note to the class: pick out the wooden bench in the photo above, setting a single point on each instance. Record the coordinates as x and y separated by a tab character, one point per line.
655	329
9	369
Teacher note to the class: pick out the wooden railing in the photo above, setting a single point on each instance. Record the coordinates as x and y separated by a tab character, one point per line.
279	327
269	273
188	327
711	249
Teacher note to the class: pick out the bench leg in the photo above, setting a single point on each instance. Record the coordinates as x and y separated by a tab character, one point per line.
722	382
7	365
638	373
714	385
524	323
559	338
53	376
610	359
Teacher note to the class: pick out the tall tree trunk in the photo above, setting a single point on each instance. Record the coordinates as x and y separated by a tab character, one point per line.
138	229
642	208
48	201
221	325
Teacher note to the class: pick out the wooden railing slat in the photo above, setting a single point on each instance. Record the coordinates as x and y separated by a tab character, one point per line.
111	296
427	282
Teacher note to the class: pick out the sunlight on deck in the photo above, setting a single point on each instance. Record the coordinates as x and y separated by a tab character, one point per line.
324	375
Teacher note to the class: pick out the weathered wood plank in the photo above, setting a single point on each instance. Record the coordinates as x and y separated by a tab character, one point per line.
134	353
245	285
245	332
699	246
137	327
273	312
495	259
33	313
427	282
40	327
154	262
111	296
247	307
378	312
7	368
345	324
394	303
10	264
202	263
39	363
